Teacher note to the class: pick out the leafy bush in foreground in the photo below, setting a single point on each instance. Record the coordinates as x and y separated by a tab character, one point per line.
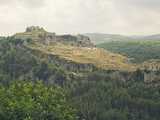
34	101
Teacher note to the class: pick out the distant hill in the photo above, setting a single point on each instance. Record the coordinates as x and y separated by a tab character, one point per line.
148	37
98	38
137	50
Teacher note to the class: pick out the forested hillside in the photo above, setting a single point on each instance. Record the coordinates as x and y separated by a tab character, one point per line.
19	62
101	98
99	38
137	51
37	82
79	60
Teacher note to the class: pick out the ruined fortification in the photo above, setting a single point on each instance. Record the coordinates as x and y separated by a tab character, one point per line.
39	34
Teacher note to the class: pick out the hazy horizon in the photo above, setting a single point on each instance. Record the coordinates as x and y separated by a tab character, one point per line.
130	17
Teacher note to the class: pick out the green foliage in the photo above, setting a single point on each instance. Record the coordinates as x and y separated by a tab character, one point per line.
116	100
24	100
19	62
140	51
98	95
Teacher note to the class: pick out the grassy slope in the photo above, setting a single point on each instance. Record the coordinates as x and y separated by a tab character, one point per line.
99	57
139	50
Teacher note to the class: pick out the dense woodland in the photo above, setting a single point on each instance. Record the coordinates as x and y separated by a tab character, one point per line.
61	97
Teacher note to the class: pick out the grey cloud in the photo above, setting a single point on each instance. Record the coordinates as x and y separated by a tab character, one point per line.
33	3
145	3
139	4
80	16
23	3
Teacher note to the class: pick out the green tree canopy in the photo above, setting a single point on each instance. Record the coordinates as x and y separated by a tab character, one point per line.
34	101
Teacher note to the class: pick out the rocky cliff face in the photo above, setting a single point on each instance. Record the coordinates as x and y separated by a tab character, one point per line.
39	34
152	65
68	65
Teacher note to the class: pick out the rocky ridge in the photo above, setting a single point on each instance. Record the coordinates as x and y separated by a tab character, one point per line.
77	54
39	34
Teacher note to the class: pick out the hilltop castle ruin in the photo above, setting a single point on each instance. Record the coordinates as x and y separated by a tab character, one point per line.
39	34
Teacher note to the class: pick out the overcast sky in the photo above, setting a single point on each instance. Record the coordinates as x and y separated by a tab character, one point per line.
129	17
